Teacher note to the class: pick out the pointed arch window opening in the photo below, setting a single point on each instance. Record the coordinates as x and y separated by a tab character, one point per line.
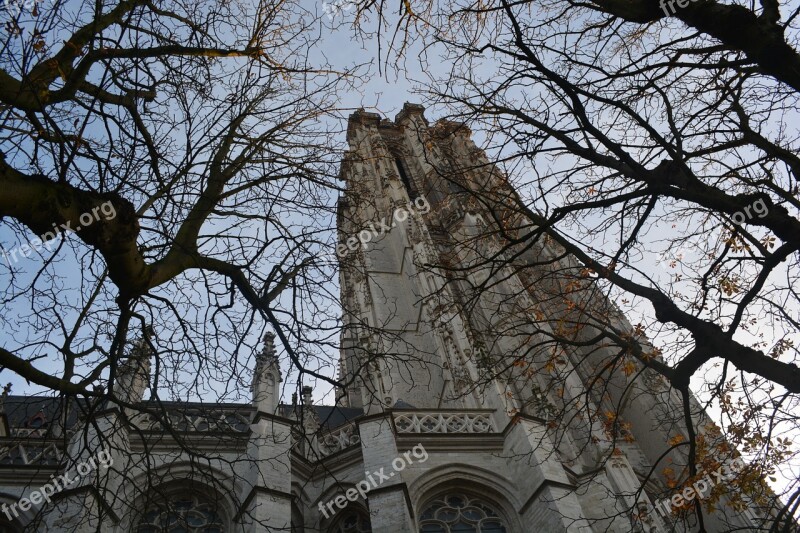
460	513
353	521
190	514
402	170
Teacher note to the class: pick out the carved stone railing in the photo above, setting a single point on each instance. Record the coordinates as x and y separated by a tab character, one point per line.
32	453
325	444
196	420
433	422
29	433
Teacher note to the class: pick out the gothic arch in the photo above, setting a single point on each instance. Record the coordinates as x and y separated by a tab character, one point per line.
352	519
328	495
462	511
190	508
300	506
473	482
402	162
203	482
336	489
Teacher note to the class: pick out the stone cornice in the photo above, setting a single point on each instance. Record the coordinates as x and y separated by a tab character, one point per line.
276	418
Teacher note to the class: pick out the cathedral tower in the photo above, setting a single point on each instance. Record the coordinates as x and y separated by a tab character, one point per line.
461	317
485	391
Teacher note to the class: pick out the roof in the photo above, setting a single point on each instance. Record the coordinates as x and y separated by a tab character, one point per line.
330	416
39	411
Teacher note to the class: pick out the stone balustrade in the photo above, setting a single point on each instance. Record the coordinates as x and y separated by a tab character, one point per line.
444	422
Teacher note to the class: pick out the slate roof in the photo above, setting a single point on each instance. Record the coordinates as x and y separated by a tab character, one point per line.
329	416
22	411
39	411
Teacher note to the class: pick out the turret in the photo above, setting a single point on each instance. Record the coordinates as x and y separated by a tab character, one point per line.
4	429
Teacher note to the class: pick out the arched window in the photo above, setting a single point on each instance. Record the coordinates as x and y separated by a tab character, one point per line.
190	514
397	153
459	513
352	521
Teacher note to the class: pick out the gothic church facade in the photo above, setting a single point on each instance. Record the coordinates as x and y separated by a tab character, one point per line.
441	428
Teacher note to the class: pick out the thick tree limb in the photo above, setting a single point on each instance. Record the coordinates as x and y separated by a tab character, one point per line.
34	375
760	38
710	340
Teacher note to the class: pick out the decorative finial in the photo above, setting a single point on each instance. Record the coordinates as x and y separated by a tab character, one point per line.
141	348
268	352
3	397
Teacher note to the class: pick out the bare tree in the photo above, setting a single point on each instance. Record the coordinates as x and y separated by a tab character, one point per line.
168	178
656	150
152	148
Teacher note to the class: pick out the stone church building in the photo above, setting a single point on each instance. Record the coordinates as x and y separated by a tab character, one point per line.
462	411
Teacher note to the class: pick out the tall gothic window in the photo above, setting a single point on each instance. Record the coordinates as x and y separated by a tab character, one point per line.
404	177
459	513
352	521
182	515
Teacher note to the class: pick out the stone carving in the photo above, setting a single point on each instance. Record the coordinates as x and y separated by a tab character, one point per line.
31	454
329	443
191	420
444	423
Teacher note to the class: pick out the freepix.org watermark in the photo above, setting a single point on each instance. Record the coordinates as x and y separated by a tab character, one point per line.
669	259
332	8
373	480
49	238
15	7
58	483
700	488
420	205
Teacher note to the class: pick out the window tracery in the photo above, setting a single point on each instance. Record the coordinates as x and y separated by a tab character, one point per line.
459	513
353	521
182	515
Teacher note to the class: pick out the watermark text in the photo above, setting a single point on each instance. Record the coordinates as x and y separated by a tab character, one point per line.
373	480
57	484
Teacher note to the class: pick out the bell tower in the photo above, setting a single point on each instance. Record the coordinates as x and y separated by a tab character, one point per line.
407	337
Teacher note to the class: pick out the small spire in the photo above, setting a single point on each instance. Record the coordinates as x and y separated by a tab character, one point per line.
4	429
266	377
133	375
3	397
267	353
141	347
308	414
